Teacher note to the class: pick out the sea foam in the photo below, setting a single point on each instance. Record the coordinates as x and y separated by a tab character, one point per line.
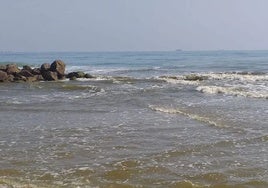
236	91
196	117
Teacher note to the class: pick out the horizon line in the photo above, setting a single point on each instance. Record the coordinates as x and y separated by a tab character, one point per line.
116	51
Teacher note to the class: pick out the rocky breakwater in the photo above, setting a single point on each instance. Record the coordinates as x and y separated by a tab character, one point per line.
47	72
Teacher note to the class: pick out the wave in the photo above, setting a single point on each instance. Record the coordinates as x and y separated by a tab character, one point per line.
246	84
122	71
80	87
196	117
93	69
194	79
110	79
179	80
74	68
236	91
118	79
109	70
241	76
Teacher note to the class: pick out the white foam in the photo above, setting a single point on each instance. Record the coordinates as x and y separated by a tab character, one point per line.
184	79
14	102
237	76
191	116
178	80
97	70
78	68
236	91
84	168
237	84
98	78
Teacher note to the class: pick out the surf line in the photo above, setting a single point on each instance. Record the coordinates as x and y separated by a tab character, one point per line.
191	116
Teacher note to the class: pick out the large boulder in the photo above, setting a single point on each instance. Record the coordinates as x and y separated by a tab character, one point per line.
25	73
34	78
59	67
10	78
36	71
3	76
50	76
39	77
76	74
79	74
12	69
45	67
27	67
19	78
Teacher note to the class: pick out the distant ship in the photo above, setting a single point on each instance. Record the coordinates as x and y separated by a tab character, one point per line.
178	50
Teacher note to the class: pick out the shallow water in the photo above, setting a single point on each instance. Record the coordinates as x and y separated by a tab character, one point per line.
144	121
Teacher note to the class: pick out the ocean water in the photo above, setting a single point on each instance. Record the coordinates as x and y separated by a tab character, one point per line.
148	119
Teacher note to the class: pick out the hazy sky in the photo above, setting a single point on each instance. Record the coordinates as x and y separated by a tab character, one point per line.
132	25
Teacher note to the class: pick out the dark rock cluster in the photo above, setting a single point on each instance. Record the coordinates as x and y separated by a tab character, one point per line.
75	75
11	73
47	72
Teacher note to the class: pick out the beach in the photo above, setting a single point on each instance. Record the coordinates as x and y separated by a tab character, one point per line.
144	119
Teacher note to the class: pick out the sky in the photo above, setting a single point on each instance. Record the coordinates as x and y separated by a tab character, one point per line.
133	25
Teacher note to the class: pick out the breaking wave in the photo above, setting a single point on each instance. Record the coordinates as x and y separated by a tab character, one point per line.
194	79
246	84
236	91
196	117
179	80
242	76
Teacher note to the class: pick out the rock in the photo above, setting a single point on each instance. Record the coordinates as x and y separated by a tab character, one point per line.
23	78
79	74
25	73
36	71
19	78
59	67
10	78
39	77
35	78
12	69
47	72
32	79
45	67
88	76
50	76
72	78
71	75
3	76
3	67
27	67
76	74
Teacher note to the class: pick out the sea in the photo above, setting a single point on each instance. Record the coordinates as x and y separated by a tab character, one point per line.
174	119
